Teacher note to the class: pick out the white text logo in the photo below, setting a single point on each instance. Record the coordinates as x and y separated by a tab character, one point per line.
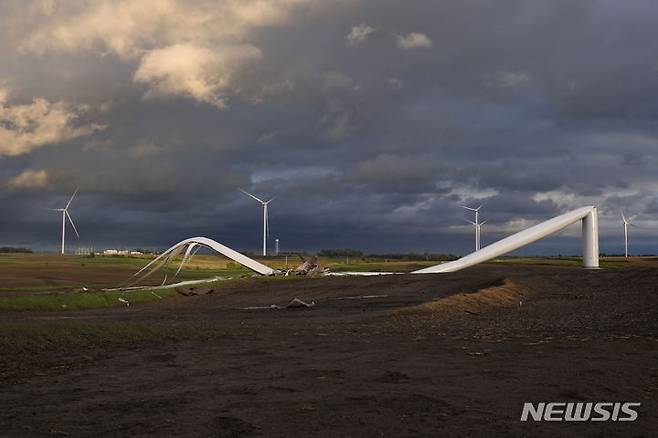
580	411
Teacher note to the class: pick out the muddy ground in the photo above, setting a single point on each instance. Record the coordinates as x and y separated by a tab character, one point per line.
423	355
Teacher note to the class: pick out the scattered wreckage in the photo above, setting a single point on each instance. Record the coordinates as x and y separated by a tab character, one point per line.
188	247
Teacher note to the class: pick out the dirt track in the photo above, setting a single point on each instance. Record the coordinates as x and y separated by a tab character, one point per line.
436	355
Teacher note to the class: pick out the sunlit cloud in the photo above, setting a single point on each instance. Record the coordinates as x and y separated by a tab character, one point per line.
359	34
26	127
29	179
413	40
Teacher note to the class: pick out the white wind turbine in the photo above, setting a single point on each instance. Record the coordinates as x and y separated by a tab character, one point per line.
627	222
65	215
477	224
478	233
266	223
479	228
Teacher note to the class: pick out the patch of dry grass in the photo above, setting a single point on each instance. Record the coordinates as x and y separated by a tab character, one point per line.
507	293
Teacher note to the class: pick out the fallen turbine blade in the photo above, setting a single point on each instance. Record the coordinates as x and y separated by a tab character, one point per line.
152	262
186	257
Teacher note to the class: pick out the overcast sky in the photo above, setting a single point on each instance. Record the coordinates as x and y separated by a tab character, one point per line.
371	121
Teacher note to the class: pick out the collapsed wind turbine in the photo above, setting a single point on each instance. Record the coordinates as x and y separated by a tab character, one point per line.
590	237
65	215
477	224
627	222
587	215
266	223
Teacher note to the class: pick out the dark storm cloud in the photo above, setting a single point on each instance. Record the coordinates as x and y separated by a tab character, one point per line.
530	107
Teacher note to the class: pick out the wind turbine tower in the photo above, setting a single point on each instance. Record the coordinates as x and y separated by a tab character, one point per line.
266	225
478	233
627	222
479	229
477	224
65	215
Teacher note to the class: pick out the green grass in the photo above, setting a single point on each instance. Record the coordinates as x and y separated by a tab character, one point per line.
382	266
56	260
69	273
408	266
614	263
79	301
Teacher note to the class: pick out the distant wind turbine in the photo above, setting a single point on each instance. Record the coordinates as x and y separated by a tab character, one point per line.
476	224
266	223
478	233
627	222
479	226
65	215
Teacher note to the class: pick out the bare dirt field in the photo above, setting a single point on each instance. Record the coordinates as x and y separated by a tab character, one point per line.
404	355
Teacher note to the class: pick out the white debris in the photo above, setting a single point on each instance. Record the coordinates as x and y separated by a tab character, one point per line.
362	297
297	303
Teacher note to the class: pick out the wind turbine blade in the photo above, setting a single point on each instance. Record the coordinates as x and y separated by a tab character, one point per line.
71	200
71	220
478	209
249	194
623	217
467	208
271	199
470	222
176	252
483	222
186	257
195	251
154	261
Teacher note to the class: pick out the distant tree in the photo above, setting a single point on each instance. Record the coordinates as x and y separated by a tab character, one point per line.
415	256
10	249
340	253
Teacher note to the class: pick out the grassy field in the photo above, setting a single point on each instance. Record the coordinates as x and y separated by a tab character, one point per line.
51	282
375	264
54	272
605	262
